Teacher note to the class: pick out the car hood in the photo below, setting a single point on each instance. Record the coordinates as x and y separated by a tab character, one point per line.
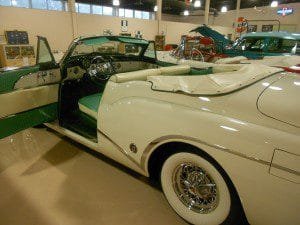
226	79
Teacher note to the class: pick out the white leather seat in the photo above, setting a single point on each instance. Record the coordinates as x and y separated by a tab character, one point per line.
135	75
175	70
143	74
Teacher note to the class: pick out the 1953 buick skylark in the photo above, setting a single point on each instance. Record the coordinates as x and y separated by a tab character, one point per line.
223	141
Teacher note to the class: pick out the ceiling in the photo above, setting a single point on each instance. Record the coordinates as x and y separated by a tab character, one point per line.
178	6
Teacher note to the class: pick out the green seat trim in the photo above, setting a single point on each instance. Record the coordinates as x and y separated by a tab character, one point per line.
90	103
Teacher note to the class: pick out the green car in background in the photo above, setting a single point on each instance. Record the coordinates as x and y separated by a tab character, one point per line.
256	45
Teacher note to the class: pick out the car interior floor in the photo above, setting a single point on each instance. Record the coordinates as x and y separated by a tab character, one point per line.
70	116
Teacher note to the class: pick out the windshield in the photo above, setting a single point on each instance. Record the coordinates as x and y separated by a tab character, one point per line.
280	45
250	44
274	45
109	46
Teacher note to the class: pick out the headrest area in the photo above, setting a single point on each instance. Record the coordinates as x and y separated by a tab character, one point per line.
143	74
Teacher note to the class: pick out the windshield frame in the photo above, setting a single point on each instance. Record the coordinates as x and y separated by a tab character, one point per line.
122	39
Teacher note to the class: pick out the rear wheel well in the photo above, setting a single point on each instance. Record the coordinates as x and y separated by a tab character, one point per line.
162	152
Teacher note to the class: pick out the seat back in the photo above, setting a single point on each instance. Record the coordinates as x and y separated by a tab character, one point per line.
143	74
135	75
175	70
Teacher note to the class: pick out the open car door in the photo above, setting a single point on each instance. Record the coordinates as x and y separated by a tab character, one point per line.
29	95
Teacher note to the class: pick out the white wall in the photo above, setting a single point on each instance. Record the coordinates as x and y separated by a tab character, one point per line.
263	13
57	26
54	25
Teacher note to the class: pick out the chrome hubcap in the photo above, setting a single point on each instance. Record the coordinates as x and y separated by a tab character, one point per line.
195	188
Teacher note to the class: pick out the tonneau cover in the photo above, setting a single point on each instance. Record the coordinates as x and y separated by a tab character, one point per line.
232	78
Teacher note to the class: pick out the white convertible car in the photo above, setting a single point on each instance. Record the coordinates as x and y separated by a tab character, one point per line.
224	142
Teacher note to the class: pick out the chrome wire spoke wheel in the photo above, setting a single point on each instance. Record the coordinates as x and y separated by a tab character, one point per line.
195	188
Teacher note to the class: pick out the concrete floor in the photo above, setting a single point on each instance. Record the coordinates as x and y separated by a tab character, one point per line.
46	179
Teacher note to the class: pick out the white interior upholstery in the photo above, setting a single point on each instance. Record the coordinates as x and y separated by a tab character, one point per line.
222	68
135	75
143	74
175	70
213	84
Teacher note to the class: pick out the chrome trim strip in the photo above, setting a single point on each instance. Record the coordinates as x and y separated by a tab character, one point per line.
297	173
180	137
120	149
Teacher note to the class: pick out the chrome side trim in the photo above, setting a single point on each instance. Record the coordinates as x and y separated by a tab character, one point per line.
120	149
221	148
297	173
180	137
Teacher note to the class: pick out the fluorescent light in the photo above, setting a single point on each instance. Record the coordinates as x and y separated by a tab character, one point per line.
204	99
229	128
186	12
116	2
274	3
155	8
197	4
224	9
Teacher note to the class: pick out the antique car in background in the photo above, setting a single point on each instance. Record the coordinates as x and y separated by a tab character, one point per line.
196	48
254	45
222	141
259	44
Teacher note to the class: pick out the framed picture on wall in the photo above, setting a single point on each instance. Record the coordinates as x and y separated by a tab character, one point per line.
267	28
15	37
251	28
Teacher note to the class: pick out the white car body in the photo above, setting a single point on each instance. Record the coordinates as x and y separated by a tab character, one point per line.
237	121
223	141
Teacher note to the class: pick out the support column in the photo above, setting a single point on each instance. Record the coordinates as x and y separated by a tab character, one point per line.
237	15
158	14
72	11
206	13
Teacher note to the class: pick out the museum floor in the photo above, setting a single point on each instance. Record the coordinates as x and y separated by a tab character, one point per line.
50	180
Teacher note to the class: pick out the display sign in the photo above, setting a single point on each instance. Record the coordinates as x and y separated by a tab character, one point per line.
285	11
124	25
267	28
252	28
242	25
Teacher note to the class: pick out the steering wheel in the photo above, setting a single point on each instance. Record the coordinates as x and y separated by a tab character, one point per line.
101	69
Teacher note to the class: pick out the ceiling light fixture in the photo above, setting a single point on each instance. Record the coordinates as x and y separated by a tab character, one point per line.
155	8
116	2
197	4
274	3
224	9
186	12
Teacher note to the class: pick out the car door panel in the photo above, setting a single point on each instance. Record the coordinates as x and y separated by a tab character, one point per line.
26	99
20	121
29	95
10	77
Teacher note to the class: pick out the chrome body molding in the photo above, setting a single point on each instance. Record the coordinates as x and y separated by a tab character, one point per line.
120	149
170	138
157	142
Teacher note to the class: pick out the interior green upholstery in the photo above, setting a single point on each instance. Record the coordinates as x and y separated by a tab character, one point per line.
90	104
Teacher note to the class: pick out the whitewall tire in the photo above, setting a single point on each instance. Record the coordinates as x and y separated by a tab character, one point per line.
195	189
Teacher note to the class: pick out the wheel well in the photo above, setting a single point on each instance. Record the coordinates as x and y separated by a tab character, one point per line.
162	152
